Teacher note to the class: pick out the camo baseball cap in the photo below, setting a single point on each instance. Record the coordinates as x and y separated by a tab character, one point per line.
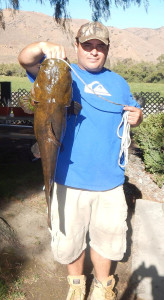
93	30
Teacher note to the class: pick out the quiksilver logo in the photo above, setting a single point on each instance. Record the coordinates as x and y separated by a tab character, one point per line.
96	87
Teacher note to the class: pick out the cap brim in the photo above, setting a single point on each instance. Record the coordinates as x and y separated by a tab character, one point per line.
93	37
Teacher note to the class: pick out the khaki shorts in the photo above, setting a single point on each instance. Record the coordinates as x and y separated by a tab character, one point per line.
76	212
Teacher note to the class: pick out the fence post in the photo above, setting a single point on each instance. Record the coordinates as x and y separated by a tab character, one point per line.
5	93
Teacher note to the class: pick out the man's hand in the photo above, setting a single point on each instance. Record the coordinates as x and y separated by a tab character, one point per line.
52	50
135	116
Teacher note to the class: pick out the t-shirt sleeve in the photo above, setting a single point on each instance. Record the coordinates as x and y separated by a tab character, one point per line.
133	102
32	77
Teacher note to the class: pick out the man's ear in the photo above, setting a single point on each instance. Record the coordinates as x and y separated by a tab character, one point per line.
76	45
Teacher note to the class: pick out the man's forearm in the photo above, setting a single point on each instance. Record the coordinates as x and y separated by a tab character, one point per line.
31	55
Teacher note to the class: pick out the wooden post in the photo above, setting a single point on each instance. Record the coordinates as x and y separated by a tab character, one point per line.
5	99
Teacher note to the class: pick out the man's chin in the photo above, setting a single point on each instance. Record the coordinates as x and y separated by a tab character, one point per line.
92	68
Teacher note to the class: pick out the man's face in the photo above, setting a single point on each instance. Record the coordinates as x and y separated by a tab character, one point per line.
92	55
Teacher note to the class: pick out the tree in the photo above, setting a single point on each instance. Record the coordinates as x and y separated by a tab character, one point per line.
100	8
161	59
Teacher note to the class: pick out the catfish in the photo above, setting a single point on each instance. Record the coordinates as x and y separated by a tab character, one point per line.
51	94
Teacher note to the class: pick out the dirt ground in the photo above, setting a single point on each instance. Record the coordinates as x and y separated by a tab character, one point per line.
26	262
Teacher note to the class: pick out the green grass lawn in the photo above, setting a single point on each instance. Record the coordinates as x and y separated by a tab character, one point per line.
136	87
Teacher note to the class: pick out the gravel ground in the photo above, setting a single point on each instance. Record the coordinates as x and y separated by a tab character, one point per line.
142	180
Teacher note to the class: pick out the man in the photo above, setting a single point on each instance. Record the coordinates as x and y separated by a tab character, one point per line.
89	180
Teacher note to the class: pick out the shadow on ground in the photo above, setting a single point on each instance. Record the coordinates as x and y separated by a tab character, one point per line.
26	263
20	174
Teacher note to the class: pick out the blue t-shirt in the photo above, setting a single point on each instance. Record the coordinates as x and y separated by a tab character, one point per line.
90	149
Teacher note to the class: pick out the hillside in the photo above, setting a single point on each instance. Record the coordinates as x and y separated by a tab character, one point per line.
22	28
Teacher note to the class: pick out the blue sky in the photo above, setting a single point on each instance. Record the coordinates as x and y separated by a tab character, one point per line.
132	17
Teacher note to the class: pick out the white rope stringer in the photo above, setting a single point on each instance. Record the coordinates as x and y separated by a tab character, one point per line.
88	85
125	139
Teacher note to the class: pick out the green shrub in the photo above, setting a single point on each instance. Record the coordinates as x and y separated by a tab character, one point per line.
142	71
150	138
3	289
12	70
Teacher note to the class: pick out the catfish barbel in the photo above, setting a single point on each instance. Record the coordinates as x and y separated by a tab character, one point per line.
51	95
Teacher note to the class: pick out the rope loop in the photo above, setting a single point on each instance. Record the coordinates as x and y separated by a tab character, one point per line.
125	139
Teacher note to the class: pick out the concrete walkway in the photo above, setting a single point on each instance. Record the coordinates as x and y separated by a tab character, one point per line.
148	250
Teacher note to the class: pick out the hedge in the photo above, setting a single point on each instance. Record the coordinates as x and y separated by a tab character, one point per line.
150	138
